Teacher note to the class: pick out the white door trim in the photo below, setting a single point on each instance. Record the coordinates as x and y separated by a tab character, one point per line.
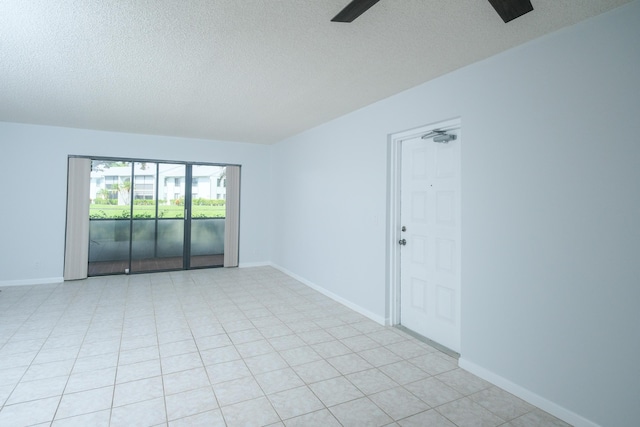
394	168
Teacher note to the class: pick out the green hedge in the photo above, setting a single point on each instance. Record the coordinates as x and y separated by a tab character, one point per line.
148	211
200	202
103	201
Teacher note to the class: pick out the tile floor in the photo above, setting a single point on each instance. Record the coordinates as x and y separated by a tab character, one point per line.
234	347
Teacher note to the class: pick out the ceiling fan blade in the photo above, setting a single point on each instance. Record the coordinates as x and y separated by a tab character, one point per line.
511	9
353	10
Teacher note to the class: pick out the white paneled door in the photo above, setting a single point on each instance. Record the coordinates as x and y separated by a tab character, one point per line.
430	237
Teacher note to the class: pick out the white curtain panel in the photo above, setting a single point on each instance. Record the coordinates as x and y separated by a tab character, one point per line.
76	251
232	221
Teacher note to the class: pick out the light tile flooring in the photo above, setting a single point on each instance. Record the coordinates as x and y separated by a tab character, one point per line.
235	347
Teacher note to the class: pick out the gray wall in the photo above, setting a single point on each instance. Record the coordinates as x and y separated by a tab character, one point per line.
550	208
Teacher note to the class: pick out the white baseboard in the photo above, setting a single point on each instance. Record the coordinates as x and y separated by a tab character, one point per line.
253	264
27	282
527	395
378	319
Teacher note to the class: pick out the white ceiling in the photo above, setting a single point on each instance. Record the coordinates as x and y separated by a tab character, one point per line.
240	70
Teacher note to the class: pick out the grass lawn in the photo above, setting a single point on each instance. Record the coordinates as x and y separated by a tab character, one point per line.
164	211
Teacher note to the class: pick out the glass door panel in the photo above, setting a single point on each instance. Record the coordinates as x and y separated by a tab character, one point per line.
155	216
208	194
109	211
157	220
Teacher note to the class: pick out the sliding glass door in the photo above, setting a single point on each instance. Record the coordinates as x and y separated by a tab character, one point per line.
155	216
109	217
157	226
207	213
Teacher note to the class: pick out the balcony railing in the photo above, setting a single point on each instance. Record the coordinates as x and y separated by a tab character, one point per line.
109	238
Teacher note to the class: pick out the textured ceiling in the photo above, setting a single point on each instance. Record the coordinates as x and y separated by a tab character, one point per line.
240	70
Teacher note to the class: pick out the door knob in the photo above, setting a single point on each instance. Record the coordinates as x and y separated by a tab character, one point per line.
403	242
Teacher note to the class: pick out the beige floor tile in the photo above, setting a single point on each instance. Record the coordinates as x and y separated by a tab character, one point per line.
501	403
429	418
5	391
466	413
359	343
97	348
85	402
380	356
343	331
463	381
349	363
398	403
11	376
138	371
190	379
213	341
48	370
181	362
235	391
321	418
265	363
178	347
45	356
300	355
275	331
227	371
434	363
94	419
212	418
316	371
335	390
331	349
410	349
170	332
294	402
254	348
219	355
286	342
27	391
537	418
316	336
403	372
246	336
137	391
360	412
139	355
91	379
29	413
387	336
371	381
433	391
93	363
190	402
278	380
147	413
255	412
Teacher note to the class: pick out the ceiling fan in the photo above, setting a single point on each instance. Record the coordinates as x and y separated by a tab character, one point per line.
507	9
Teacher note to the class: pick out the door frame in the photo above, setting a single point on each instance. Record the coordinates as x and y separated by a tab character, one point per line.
186	255
394	187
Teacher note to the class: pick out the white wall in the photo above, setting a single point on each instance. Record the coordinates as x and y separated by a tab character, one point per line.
550	208
35	158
